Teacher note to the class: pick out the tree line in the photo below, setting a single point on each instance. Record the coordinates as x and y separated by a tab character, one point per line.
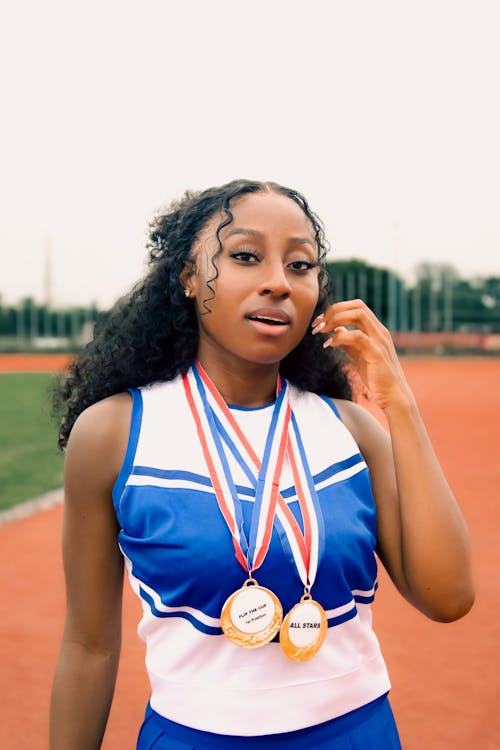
438	300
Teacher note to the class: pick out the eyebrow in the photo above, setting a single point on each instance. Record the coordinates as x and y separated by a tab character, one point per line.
256	233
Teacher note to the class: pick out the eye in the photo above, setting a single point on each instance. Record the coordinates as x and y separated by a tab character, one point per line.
302	265
244	256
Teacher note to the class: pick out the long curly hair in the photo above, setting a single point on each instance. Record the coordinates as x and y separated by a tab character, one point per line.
151	334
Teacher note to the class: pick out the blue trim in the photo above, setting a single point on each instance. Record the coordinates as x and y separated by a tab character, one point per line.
364	599
188	476
251	408
367	599
350	615
149	471
332	406
244	490
289	492
212	630
330	471
133	439
208	629
337	467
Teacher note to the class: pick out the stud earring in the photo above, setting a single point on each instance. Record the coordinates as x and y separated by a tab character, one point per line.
187	293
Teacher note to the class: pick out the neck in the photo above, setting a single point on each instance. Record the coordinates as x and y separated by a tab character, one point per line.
246	384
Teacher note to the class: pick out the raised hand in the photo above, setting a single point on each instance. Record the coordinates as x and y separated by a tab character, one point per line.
354	327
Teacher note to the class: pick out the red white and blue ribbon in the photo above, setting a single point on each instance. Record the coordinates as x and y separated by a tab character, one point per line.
251	553
215	423
305	548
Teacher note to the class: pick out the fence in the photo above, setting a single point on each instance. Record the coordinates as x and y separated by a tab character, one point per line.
438	302
439	312
30	327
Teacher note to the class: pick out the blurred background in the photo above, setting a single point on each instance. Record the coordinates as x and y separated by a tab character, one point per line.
384	114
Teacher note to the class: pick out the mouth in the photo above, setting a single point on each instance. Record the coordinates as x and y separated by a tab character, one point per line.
270	317
267	321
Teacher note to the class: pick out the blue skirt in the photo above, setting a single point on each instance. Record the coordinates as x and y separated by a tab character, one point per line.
371	727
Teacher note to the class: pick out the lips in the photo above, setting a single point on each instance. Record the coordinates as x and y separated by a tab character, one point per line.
270	317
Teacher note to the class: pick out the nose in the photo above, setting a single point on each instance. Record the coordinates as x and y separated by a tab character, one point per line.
274	280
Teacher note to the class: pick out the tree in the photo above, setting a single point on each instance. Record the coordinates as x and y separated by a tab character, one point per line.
383	290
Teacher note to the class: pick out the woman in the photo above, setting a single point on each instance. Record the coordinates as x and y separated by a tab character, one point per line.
211	443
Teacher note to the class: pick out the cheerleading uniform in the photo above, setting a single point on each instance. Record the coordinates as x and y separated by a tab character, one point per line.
181	562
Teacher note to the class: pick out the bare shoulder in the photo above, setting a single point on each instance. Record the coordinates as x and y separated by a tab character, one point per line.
366	431
92	559
98	441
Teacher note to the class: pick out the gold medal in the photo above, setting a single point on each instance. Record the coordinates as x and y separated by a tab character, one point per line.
251	616
303	630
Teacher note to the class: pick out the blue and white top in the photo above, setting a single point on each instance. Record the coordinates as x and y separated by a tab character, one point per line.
180	560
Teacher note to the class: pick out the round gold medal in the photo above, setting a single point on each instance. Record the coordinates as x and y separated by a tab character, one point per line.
251	616
303	630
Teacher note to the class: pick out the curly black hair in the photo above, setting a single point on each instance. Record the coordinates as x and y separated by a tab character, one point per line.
151	334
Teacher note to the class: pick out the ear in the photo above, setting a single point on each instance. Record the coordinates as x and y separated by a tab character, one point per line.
187	277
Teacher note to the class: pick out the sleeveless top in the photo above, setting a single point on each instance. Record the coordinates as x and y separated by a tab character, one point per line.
180	560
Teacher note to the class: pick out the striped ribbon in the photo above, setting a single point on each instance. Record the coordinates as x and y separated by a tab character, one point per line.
250	554
303	549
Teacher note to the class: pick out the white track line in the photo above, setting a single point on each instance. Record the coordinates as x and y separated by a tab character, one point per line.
29	507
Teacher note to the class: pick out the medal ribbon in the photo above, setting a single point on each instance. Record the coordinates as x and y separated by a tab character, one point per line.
304	549
313	537
249	554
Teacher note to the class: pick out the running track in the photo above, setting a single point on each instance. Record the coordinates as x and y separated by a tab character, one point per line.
446	682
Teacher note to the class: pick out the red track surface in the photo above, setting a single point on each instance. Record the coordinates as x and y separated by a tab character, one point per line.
33	362
445	677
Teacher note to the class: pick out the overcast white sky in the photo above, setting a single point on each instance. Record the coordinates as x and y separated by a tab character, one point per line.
384	113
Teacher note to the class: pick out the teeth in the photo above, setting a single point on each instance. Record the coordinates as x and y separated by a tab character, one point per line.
269	321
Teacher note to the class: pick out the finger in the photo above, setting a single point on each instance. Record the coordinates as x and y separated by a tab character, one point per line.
354	338
354	313
348	313
348	304
317	320
318	327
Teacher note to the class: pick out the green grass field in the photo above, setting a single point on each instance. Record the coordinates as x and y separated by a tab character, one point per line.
30	462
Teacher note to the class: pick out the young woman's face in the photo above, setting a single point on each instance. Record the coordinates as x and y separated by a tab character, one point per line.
266	289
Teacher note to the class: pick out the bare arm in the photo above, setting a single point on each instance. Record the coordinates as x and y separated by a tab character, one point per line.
88	660
422	537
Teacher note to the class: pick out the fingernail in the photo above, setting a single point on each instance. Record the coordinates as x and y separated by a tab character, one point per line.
317	328
317	319
328	342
